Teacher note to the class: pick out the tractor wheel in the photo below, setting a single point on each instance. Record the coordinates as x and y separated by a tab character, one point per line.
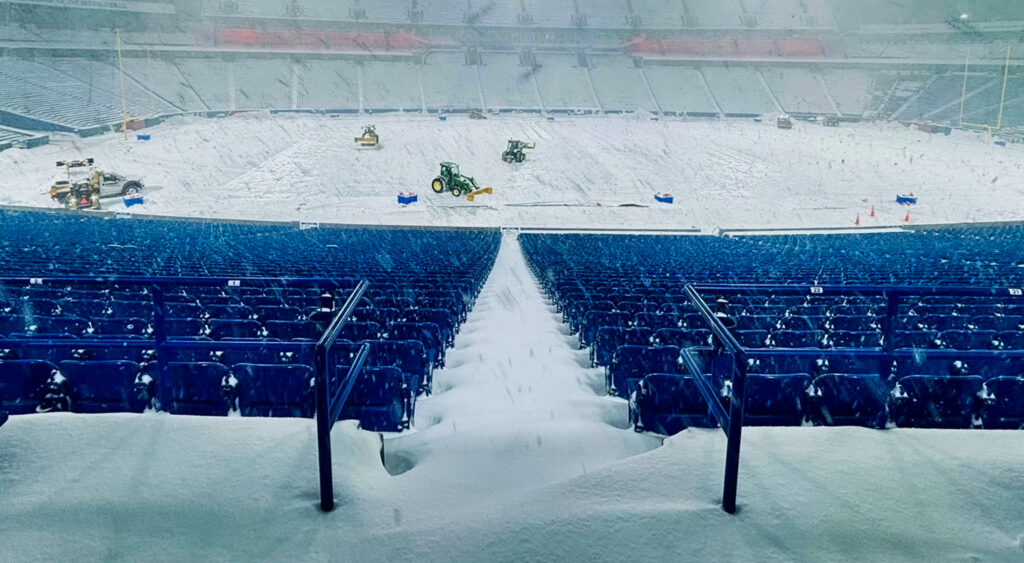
520	157
438	186
507	158
131	188
456	192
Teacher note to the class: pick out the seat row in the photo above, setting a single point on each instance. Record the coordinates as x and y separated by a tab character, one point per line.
667	403
254	382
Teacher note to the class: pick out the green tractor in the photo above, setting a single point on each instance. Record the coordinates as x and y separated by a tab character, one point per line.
514	152
450	180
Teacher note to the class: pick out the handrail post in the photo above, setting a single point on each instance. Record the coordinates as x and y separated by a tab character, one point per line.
159	338
732	451
889	333
323	434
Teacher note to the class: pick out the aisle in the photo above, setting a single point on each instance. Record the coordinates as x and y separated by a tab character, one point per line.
517	406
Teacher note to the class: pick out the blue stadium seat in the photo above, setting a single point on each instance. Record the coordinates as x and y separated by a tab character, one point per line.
359	331
440	317
120	327
255	352
71	326
656	321
275	390
609	338
380	399
805	322
798	338
229	312
279	313
1004	403
850	400
632	363
668	403
231	328
936	401
681	337
10	324
132	309
631	307
852	323
917	339
776	399
104	387
22	384
855	339
751	338
86	309
292	330
407	355
593	320
945	322
756	322
198	389
183	311
1012	340
184	328
969	340
426	333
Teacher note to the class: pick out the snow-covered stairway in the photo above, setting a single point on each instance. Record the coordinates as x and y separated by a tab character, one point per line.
517	406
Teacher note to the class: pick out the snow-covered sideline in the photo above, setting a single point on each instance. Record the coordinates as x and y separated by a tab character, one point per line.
723	174
517	457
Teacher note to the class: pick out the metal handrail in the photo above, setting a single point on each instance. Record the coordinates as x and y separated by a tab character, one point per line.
328	403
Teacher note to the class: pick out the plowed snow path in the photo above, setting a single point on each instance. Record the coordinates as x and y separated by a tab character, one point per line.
517	406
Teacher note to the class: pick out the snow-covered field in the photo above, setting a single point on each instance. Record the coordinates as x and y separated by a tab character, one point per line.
519	456
730	174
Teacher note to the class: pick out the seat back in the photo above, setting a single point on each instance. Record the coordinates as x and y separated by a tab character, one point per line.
775	399
275	390
1005	403
22	384
103	386
851	400
937	401
198	388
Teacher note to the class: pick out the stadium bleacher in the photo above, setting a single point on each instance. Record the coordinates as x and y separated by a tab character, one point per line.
680	90
449	84
941	358
620	85
507	84
563	84
74	93
739	91
204	348
84	95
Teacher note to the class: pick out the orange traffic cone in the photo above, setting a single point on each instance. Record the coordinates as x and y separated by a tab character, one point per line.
857	222
872	210
907	218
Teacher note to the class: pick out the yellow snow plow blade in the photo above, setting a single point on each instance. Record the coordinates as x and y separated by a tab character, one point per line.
367	141
473	195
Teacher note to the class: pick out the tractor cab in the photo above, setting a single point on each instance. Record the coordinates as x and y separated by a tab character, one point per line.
449	169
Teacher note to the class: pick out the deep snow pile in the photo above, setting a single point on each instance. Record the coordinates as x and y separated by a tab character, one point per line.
729	174
516	457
